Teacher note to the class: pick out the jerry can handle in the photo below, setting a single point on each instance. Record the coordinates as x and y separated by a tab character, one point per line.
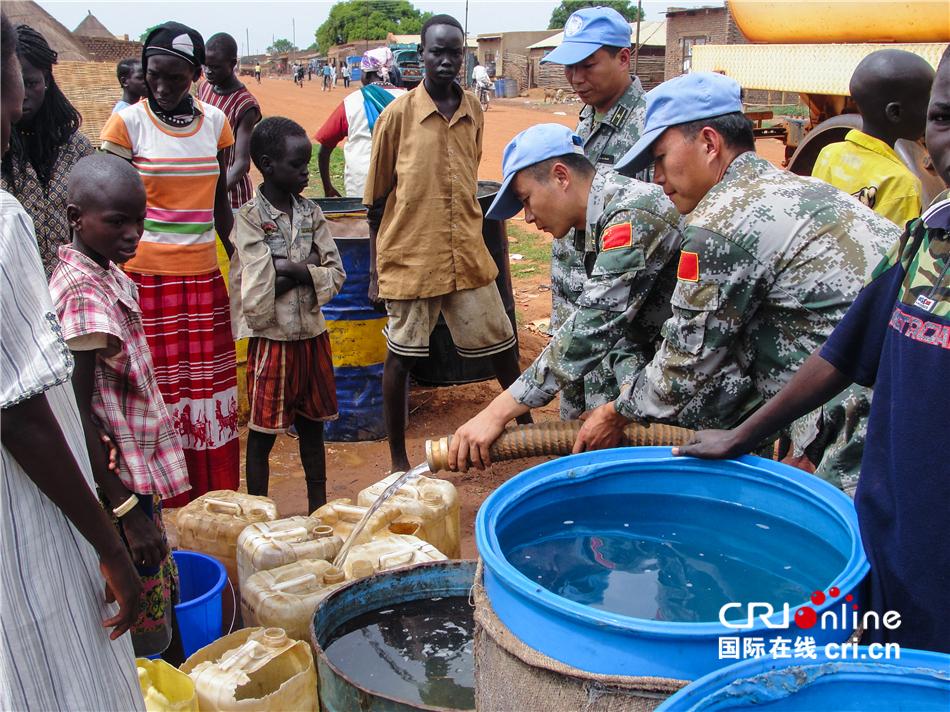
290	583
292	533
222	505
395	558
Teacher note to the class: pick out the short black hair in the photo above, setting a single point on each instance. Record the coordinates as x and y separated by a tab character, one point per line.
577	162
224	42
125	68
441	20
735	128
270	135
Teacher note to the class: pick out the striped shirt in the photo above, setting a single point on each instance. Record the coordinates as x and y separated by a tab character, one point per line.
55	654
179	168
98	309
234	106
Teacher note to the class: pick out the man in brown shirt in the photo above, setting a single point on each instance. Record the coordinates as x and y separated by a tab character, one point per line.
427	252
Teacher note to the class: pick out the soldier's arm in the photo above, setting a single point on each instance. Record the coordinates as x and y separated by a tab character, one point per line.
633	248
720	285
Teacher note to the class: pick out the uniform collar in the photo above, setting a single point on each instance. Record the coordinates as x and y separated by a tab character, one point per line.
937	216
618	114
425	107
747	163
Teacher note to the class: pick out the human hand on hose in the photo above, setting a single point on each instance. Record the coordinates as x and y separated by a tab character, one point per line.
472	441
123	586
602	429
145	541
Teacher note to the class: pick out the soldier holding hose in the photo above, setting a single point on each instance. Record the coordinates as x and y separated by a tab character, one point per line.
632	237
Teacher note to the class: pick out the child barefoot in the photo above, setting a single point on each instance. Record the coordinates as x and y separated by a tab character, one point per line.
285	267
115	382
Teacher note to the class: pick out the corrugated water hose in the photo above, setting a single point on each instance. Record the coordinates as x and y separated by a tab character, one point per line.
555	437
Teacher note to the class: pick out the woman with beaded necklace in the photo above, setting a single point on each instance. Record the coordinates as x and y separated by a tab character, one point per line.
45	145
177	143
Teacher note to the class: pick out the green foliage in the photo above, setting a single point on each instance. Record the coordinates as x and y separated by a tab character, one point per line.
532	246
369	20
568	7
281	46
315	188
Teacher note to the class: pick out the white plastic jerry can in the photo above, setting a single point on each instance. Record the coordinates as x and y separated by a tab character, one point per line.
267	545
342	516
287	596
431	503
388	552
254	669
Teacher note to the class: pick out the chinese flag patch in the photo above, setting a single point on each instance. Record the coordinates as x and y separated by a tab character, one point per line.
689	266
617	236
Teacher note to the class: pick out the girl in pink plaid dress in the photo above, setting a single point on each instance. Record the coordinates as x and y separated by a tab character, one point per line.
114	380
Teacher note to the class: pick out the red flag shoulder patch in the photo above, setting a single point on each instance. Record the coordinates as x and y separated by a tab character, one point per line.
688	269
617	236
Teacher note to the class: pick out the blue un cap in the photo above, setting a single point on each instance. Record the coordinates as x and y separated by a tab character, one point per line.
533	145
586	31
690	97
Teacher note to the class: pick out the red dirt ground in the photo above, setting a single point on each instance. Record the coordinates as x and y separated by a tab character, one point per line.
434	412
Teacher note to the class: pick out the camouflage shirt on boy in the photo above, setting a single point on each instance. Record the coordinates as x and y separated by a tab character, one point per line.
769	265
632	239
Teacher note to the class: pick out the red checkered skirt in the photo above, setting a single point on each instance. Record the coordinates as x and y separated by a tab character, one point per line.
188	328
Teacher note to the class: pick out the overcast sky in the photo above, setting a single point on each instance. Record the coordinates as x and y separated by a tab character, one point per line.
264	19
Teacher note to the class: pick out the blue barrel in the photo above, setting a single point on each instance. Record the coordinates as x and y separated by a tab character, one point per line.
511	88
752	515
201	580
338	691
916	680
499	87
356	331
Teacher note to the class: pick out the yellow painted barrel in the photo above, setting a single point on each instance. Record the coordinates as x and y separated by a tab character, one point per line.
842	21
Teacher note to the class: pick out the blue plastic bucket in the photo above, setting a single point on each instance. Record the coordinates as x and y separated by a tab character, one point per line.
720	495
201	580
356	338
917	681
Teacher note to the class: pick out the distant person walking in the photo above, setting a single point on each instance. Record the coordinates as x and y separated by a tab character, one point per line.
345	71
225	91
327	76
178	145
45	145
132	80
257	72
353	120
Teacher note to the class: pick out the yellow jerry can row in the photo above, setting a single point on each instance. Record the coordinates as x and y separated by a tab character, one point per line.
259	669
342	516
267	545
431	503
287	596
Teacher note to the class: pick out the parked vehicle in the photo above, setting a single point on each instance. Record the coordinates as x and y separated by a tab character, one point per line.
410	66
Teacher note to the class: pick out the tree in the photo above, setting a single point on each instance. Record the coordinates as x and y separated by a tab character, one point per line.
354	20
568	7
281	46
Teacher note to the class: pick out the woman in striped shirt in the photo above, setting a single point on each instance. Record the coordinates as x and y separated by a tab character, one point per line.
178	145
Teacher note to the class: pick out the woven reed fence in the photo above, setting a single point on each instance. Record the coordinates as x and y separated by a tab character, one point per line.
93	90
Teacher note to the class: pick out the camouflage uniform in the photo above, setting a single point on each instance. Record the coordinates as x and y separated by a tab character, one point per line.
632	238
605	142
770	263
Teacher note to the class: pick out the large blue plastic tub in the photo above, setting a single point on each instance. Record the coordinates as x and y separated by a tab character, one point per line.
201	581
918	681
600	641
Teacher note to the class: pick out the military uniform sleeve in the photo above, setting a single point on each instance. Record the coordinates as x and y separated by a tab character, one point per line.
719	287
258	276
633	248
328	276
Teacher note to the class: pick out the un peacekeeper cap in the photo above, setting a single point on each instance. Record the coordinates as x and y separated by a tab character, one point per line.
533	145
690	97
586	31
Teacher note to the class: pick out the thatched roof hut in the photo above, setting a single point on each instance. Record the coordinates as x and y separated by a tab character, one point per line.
91	27
26	12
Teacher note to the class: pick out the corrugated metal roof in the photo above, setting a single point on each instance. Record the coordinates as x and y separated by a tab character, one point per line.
812	69
652	34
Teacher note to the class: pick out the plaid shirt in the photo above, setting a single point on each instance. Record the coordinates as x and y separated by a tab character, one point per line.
92	301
